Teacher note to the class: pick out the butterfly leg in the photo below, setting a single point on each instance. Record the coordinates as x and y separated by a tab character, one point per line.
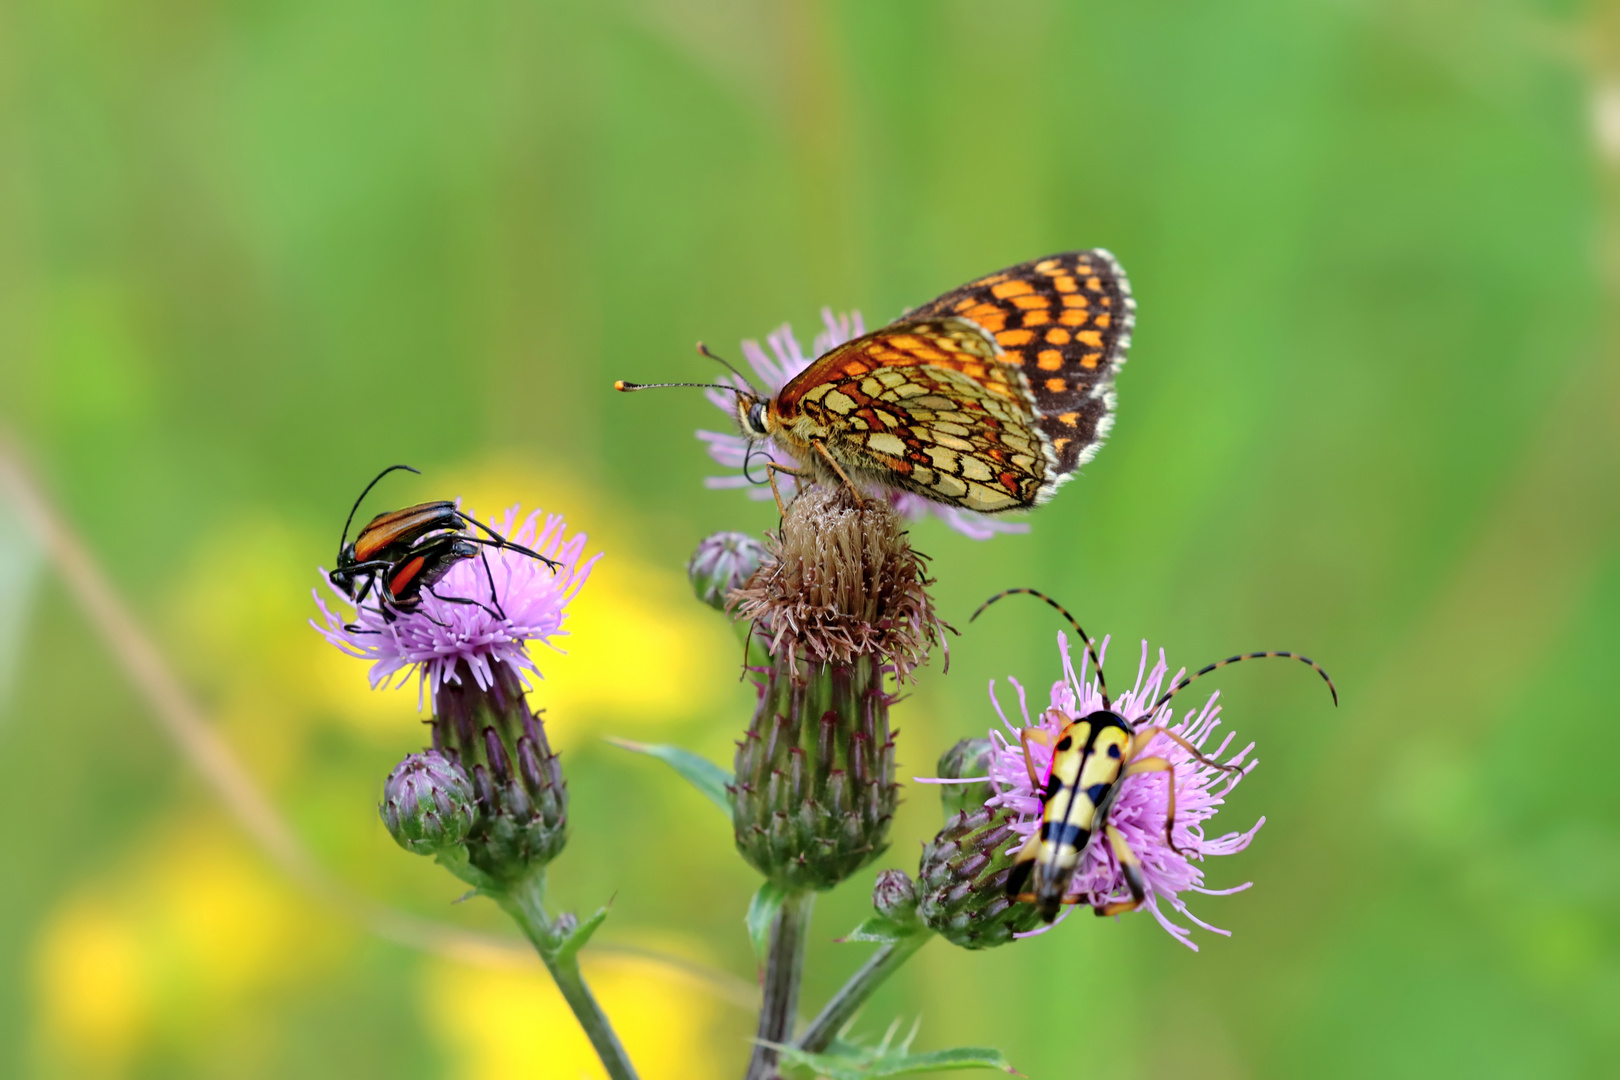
771	469
821	448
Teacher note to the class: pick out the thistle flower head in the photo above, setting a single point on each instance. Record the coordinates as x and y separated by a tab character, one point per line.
773	370
514	599
894	896
722	562
1141	809
842	583
428	803
842	603
962	881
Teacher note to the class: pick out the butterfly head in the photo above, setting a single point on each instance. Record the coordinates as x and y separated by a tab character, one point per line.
753	415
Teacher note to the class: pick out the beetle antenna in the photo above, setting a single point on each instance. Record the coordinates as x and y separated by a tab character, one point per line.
628	387
704	350
1096	660
1183	684
343	542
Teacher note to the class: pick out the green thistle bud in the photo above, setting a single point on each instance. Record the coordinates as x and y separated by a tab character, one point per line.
970	757
841	602
428	803
962	882
721	563
521	822
895	897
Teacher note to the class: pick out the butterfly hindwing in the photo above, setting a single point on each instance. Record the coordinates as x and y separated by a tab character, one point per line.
1066	321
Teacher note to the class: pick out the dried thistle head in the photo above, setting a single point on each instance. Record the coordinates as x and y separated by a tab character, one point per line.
842	582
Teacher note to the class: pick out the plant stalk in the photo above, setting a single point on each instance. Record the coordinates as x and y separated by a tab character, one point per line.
525	902
844	1004
784	967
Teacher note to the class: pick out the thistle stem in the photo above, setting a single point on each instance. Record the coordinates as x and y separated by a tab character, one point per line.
784	966
844	1004
525	902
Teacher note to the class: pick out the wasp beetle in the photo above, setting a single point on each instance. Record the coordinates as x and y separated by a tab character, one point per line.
404	553
1091	757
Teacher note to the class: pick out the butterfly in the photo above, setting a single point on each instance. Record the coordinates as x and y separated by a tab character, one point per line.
987	398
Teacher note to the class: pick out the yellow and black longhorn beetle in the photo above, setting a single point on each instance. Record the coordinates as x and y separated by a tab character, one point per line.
404	553
1091	757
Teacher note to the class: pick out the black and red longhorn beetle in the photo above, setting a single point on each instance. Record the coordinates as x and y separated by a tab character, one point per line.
404	553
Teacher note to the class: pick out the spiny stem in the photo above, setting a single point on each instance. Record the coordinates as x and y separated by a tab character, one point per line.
844	1004
525	902
784	966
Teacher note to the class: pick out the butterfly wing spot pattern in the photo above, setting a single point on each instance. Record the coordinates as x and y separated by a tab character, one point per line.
988	397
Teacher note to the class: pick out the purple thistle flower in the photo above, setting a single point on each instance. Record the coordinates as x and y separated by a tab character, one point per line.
1141	808
529	603
786	360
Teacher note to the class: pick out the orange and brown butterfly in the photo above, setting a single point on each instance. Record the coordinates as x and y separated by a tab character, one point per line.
987	398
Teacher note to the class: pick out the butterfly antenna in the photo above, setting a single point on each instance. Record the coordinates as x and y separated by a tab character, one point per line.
343	542
628	387
1096	660
704	350
1184	683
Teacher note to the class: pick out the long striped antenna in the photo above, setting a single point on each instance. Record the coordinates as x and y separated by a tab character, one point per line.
1096	661
1184	683
703	350
344	541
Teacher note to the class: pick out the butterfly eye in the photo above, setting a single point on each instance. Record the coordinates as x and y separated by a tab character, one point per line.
756	418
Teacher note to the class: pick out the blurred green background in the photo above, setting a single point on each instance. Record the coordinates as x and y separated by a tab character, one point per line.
252	252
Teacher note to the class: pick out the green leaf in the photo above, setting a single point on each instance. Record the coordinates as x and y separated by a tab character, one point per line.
882	929
700	772
569	946
847	1062
762	911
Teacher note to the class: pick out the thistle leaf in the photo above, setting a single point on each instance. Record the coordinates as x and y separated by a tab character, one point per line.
762	912
700	772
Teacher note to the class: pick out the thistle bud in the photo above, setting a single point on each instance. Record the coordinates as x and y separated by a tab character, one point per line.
895	897
427	803
721	563
841	603
521	819
970	757
962	881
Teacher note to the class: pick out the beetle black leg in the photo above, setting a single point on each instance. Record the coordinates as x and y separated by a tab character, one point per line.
494	597
500	541
462	600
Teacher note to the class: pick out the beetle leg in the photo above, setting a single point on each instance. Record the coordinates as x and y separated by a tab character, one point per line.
1027	736
497	540
1159	764
463	600
821	448
494	597
1023	869
1132	870
1145	736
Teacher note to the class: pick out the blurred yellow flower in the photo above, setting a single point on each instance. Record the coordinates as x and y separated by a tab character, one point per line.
500	1024
93	994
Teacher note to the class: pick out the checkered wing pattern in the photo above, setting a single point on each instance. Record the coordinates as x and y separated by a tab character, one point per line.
1065	321
986	398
